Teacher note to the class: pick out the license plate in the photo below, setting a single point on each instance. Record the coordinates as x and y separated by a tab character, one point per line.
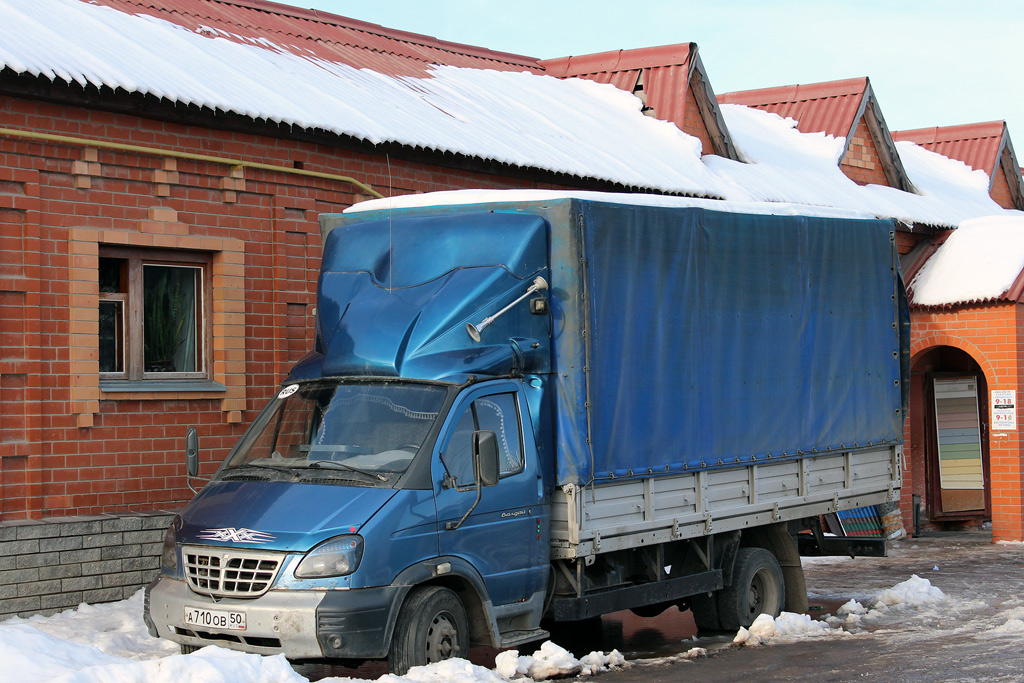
215	618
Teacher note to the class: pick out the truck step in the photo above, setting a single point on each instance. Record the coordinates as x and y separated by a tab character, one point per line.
514	638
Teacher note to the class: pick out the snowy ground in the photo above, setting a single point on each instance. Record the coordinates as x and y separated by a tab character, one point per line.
108	643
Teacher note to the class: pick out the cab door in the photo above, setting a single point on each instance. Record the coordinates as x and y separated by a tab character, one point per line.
506	535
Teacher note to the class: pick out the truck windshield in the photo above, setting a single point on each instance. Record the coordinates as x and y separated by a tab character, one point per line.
365	432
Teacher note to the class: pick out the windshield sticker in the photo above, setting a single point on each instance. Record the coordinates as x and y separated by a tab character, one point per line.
288	391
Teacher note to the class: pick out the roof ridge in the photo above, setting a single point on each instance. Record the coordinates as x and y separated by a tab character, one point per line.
797	92
339	21
954	133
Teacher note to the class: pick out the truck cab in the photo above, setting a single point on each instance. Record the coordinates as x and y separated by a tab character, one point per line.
392	499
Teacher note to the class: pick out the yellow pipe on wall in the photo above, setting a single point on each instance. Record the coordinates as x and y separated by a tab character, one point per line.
156	151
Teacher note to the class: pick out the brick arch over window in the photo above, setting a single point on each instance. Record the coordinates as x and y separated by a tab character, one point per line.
920	346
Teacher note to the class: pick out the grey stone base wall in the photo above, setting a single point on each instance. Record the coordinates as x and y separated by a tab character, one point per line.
54	564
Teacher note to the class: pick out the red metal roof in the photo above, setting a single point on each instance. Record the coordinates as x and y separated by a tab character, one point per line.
976	144
830	108
666	71
350	41
617	61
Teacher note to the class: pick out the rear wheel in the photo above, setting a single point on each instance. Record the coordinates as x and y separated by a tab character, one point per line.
704	608
757	588
431	627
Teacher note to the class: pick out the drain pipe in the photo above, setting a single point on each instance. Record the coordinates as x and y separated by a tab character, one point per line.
156	151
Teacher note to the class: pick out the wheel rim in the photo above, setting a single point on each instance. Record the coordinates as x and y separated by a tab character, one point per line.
442	638
762	594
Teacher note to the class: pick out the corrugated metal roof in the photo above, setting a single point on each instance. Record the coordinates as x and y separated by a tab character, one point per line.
829	108
582	66
329	36
980	262
976	144
666	71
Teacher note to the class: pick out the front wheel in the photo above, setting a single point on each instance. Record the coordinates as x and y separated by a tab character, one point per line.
431	627
757	588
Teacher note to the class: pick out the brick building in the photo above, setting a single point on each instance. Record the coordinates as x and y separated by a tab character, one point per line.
179	192
124	213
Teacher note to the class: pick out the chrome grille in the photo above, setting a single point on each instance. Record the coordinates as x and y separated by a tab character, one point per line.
223	572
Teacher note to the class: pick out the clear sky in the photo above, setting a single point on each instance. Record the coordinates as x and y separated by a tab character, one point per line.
931	62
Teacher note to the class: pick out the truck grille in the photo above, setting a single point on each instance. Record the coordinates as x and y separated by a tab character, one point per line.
230	573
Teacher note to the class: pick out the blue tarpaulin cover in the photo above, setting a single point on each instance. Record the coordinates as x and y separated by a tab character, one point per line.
715	337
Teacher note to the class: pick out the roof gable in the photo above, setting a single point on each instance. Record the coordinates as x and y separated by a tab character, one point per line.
841	109
982	146
669	79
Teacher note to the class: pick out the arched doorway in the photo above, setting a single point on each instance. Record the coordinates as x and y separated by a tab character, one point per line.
949	436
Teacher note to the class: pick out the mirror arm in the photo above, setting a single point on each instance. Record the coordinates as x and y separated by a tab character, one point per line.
192	458
452	526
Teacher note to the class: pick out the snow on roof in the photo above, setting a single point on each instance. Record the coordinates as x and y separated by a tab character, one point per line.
461	197
786	165
575	127
830	107
980	261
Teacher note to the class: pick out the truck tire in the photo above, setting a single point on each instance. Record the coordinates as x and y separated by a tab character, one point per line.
704	607
757	588
431	627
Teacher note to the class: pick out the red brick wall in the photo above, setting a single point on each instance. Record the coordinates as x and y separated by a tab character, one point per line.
991	335
861	163
1000	191
693	123
67	447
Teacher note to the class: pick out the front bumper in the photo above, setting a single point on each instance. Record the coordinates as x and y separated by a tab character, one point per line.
301	624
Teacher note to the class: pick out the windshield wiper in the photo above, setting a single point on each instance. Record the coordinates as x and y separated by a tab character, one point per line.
331	464
275	468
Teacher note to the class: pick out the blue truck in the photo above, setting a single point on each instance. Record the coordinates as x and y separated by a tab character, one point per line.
520	412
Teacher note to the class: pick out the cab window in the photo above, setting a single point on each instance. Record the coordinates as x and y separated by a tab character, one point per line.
497	413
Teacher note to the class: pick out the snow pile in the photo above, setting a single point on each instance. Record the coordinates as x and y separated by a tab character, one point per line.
914	592
786	625
980	261
552	661
114	628
108	643
1014	626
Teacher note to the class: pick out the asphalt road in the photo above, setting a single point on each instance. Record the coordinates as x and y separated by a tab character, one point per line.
970	636
954	640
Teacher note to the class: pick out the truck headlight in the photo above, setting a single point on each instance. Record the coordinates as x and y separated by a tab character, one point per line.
169	556
336	557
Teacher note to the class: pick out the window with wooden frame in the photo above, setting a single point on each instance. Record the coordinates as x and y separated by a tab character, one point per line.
153	314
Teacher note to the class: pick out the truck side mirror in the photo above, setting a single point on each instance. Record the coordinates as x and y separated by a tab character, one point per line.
485	458
192	452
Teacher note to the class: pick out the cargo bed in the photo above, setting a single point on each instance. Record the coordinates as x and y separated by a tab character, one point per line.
613	516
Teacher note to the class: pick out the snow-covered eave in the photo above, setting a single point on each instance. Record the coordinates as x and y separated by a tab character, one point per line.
1005	298
291	124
